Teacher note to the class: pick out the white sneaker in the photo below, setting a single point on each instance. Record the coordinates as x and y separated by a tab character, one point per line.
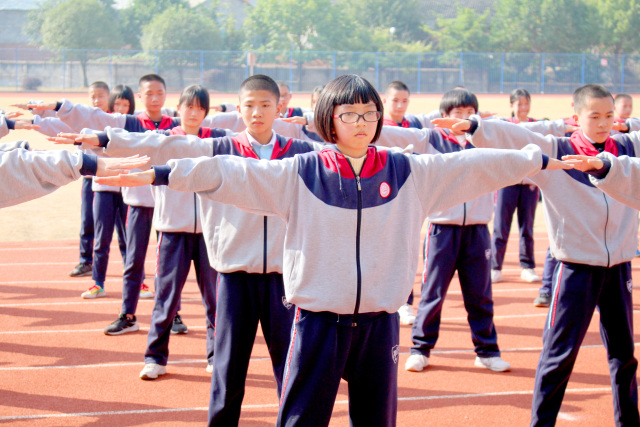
496	276
210	368
492	363
145	292
416	363
529	275
151	371
406	315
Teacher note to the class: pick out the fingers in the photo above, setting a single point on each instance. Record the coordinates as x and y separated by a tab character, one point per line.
13	114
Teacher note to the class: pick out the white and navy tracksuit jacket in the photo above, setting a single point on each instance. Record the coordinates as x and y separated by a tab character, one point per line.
594	237
350	251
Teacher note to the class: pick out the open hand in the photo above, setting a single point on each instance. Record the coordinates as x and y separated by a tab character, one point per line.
558	164
136	179
72	138
583	163
13	114
296	119
620	127
25	125
458	125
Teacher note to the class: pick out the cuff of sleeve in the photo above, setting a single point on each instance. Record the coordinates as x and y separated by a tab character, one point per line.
545	161
11	124
58	106
602	172
628	123
474	126
162	175
224	108
103	139
89	164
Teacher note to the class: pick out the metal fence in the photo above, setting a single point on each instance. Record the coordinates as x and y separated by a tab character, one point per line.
72	69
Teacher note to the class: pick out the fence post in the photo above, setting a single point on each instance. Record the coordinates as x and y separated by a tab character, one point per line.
542	73
377	70
110	71
419	66
64	70
502	73
461	82
156	62
291	69
16	63
584	60
622	73
334	64
202	67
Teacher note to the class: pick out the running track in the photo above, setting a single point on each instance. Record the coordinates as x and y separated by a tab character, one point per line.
57	367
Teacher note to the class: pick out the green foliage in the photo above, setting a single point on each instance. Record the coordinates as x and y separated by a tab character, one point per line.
618	21
140	13
179	28
467	32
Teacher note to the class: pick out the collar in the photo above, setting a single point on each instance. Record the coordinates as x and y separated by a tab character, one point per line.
255	143
584	145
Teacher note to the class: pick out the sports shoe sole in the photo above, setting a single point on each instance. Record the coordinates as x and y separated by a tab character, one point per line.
479	364
150	377
87	273
93	296
133	328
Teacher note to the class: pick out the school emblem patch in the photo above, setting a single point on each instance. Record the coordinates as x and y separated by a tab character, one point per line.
286	303
630	285
395	353
385	190
487	254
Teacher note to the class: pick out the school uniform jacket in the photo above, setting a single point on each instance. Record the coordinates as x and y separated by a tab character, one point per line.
233	121
434	141
27	175
352	244
622	180
585	225
236	240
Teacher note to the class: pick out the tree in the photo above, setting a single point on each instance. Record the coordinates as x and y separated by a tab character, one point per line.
78	24
618	21
140	13
553	26
162	33
467	32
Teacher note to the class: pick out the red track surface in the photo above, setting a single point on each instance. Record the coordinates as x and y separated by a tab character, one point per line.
57	367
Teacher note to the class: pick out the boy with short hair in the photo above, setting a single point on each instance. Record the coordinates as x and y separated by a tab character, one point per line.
623	106
594	245
396	100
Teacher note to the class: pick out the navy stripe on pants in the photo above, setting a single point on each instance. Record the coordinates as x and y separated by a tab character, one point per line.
109	212
325	348
86	222
524	198
175	253
577	291
465	249
243	300
139	222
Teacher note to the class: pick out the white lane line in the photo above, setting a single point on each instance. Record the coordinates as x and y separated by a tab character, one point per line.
115	301
275	405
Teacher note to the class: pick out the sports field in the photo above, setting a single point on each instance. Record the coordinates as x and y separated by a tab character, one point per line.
57	368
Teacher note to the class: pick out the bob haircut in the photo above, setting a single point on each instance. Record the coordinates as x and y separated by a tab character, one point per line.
151	78
260	82
583	93
195	94
456	98
122	92
348	89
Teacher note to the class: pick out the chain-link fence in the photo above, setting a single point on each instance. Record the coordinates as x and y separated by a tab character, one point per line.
73	69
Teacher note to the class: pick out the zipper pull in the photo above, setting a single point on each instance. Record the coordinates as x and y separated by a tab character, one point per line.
358	182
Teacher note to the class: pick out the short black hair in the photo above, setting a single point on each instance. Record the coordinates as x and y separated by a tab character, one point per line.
99	85
283	84
457	98
397	85
581	95
122	92
519	93
151	78
622	96
195	94
347	89
260	82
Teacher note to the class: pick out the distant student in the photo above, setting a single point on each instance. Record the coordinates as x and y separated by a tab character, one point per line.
368	204
457	240
396	101
623	106
594	237
285	98
522	197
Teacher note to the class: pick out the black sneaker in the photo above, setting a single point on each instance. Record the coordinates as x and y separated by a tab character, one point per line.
178	327
122	325
543	300
82	269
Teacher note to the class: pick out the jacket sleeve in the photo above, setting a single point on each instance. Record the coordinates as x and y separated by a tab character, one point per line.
622	180
290	130
394	136
258	186
231	120
502	134
425	119
546	127
26	175
446	180
4	128
159	147
51	126
79	116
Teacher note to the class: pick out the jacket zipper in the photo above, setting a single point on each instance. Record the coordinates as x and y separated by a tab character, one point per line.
354	322
606	223
264	249
195	213
464	215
